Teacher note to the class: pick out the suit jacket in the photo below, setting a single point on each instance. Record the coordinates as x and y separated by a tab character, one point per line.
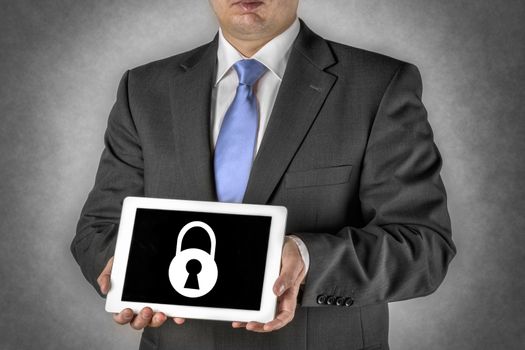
348	150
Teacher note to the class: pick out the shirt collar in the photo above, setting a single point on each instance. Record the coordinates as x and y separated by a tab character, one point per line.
274	55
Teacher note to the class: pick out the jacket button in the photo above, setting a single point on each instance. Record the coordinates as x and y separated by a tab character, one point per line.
330	300
349	302
340	301
321	299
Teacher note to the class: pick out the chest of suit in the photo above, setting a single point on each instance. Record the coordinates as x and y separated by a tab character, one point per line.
320	123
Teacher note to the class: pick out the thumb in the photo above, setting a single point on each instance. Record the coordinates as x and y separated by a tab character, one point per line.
287	279
290	272
291	267
104	279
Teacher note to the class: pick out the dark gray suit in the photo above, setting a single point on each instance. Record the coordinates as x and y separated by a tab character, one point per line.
348	150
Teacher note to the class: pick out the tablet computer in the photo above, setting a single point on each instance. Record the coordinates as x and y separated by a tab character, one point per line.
195	259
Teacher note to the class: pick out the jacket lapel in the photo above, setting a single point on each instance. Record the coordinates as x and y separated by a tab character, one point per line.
190	98
303	91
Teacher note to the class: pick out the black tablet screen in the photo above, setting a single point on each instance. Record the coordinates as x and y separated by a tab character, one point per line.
241	248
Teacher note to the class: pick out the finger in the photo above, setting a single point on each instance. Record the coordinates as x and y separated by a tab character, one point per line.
104	279
104	283
237	324
142	319
255	327
282	319
108	267
292	266
157	320
285	310
125	316
179	320
285	281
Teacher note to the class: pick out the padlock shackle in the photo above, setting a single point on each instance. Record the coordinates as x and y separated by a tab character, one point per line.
191	225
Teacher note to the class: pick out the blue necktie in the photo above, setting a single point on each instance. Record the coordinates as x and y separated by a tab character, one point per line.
236	141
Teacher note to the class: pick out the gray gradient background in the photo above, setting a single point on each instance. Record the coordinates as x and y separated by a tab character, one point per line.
60	63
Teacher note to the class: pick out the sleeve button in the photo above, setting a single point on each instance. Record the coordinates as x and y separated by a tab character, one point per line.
321	299
340	301
349	302
330	300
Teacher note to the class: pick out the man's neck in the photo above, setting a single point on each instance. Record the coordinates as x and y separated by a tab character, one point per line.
248	46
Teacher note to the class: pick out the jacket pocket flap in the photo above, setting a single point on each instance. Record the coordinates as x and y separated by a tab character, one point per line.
318	177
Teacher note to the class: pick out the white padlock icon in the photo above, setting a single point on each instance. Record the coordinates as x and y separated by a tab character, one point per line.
193	272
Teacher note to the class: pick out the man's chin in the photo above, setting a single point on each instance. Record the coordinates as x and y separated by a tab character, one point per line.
249	24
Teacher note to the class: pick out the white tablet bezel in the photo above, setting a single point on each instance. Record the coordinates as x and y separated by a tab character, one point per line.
266	313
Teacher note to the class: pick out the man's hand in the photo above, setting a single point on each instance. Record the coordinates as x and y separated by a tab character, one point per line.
286	288
146	316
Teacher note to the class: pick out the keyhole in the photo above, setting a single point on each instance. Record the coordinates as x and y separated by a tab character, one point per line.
193	267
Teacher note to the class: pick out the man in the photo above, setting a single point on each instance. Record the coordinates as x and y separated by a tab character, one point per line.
341	139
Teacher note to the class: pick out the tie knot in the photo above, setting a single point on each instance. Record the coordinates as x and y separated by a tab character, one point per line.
249	71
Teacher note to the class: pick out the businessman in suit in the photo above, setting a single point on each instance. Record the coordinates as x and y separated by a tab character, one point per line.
271	113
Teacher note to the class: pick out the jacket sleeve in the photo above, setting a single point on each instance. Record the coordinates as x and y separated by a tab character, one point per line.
404	248
120	174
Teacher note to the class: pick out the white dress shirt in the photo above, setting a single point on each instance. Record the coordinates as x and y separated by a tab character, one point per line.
274	55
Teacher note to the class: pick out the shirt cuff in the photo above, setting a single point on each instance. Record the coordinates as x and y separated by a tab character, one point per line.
303	251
